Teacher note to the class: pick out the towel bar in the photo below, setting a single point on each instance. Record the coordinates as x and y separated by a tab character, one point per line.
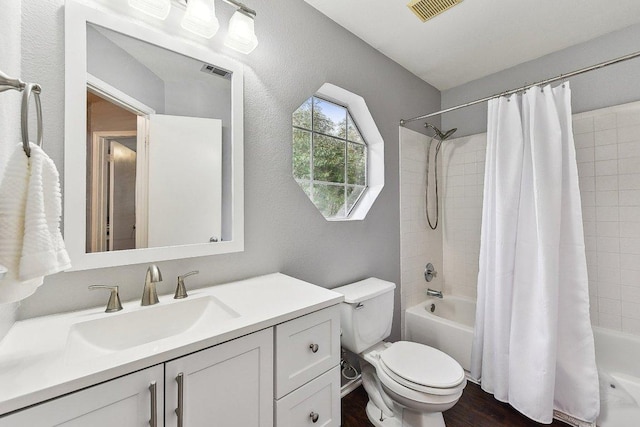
8	83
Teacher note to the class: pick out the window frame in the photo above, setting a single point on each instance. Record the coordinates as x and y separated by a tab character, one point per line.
362	117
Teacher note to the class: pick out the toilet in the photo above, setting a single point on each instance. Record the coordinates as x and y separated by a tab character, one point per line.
408	384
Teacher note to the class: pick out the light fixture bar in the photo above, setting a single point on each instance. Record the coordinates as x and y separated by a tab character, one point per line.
241	7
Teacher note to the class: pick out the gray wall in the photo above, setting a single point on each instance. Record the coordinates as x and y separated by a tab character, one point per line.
613	85
299	50
113	65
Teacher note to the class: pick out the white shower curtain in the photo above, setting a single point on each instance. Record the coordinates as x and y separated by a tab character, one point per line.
533	344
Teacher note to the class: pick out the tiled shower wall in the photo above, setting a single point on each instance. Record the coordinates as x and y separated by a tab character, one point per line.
418	243
608	154
463	184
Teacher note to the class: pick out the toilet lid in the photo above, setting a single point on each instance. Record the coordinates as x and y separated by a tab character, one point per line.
422	365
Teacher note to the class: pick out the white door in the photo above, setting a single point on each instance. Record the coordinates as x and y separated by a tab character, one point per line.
123	402
185	180
229	385
122	200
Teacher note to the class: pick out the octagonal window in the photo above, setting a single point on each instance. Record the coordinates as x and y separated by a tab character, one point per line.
329	156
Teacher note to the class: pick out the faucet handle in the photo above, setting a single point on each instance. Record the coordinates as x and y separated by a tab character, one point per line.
114	299
181	290
429	272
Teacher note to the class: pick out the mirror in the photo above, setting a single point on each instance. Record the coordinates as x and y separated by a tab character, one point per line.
153	149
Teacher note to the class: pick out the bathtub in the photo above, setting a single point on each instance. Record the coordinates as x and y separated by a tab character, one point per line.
448	327
618	359
447	324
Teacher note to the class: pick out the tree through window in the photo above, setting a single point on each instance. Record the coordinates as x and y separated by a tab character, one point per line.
329	156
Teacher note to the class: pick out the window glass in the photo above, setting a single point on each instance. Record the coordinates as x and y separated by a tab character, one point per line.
329	156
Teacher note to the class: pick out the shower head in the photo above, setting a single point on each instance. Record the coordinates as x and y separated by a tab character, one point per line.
441	136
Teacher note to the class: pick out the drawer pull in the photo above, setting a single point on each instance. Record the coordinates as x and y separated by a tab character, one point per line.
153	389
180	409
314	347
314	417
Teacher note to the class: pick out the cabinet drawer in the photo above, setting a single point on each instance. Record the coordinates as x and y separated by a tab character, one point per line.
319	400
305	348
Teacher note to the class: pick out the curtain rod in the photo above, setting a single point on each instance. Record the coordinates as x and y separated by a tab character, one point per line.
511	92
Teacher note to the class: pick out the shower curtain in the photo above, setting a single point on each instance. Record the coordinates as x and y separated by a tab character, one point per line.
533	344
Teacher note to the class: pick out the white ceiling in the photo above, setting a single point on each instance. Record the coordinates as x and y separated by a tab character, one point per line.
477	37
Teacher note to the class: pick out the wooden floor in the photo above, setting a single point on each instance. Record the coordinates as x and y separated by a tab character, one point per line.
474	409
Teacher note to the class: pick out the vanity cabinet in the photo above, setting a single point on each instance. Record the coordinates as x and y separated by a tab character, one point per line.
287	375
127	401
307	370
227	385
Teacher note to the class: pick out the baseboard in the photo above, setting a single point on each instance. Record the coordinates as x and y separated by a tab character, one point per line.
350	386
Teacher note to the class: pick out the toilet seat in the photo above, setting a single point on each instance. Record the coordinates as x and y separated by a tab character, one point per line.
427	396
421	368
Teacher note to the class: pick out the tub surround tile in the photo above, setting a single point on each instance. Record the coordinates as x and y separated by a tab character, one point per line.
628	118
607	167
630	277
629	262
609	290
584	140
586	155
607	183
628	134
629	246
605	122
606	137
609	321
582	126
631	326
606	152
629	150
607	213
607	198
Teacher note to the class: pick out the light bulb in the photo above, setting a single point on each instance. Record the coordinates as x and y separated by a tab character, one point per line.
241	36
200	18
156	8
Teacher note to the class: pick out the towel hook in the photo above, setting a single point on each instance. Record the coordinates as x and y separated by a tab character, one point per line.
30	88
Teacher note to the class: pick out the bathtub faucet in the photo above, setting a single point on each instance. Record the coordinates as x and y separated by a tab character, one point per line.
434	293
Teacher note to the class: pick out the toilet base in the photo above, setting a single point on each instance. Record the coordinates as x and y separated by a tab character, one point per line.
409	418
378	419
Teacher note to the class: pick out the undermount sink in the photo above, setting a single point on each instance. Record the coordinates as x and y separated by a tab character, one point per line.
124	330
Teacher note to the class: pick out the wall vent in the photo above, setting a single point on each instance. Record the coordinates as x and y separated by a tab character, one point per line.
427	9
210	69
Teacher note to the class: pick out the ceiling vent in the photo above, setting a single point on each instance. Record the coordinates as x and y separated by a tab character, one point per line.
210	69
427	9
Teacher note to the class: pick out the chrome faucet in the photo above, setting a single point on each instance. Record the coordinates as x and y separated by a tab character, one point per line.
149	293
434	293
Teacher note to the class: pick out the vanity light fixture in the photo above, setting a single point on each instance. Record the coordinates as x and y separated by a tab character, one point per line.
157	8
241	35
200	18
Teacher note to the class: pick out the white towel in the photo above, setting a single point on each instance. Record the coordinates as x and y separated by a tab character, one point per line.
31	244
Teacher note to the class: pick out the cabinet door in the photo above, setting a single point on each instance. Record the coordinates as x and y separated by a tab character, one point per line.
317	403
229	385
123	402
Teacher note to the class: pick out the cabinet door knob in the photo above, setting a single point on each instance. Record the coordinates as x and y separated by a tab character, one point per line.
314	347
314	417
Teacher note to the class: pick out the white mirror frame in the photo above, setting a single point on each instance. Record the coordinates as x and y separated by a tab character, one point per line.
76	18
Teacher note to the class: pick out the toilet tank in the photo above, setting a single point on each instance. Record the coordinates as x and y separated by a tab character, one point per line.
366	313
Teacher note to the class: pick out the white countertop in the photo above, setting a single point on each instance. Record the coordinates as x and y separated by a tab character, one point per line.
36	364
